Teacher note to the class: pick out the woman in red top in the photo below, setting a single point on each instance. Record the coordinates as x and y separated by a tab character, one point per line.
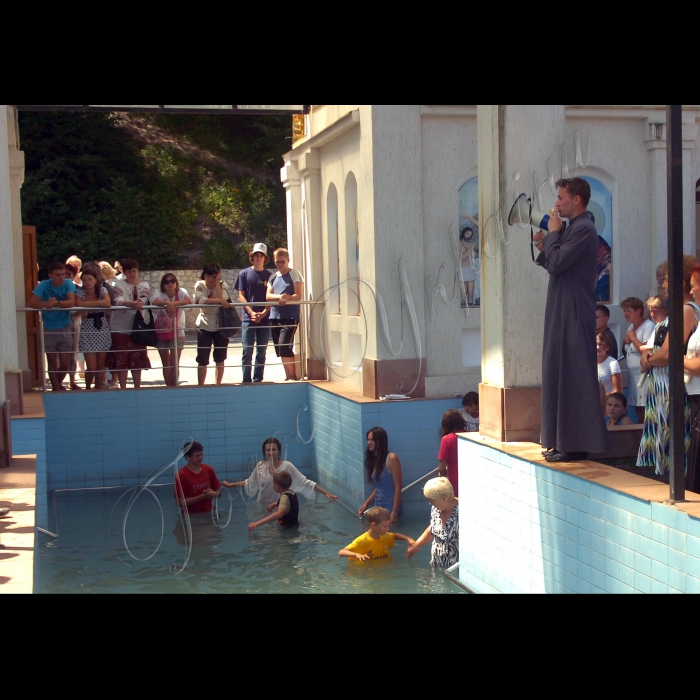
452	423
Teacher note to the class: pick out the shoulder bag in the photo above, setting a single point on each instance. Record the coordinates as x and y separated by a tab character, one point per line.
229	321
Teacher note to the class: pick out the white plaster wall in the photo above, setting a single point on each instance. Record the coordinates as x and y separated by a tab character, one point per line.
338	159
398	217
8	337
450	158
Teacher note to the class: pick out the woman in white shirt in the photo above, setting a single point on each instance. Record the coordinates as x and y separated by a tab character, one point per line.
260	481
638	334
609	372
212	294
169	322
126	355
692	387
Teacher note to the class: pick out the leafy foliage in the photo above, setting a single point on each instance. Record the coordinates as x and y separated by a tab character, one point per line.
94	189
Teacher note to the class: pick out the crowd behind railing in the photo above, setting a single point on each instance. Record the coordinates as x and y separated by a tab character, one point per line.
107	318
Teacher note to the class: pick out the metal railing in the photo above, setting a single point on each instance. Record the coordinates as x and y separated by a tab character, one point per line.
179	344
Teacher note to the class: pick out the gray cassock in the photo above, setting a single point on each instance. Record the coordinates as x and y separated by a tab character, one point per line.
572	417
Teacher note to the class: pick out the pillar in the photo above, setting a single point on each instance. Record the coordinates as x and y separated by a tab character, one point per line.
515	142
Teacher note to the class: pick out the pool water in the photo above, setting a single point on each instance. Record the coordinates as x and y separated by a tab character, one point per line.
269	560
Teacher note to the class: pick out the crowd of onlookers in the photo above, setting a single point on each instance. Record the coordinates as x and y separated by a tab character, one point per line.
645	350
105	343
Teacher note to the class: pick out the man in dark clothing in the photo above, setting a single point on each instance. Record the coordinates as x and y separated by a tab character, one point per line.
252	287
572	420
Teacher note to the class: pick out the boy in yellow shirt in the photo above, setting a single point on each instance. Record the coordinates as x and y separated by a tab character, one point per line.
377	542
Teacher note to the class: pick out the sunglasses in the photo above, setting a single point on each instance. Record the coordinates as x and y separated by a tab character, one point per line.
170	282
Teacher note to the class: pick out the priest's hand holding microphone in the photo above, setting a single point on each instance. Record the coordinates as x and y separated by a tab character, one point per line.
555	224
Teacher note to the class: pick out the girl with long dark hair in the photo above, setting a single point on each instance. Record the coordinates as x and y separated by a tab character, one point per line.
384	471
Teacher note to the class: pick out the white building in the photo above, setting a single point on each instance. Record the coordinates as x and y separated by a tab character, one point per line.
372	185
377	189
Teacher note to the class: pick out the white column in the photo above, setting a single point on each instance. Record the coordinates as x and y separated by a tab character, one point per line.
8	323
656	145
16	159
690	140
515	142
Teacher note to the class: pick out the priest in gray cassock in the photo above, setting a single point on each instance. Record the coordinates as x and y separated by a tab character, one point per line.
572	416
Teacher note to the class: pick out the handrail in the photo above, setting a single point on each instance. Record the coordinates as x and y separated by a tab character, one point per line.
151	307
422	479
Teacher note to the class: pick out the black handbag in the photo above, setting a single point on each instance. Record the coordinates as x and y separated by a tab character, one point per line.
229	322
144	332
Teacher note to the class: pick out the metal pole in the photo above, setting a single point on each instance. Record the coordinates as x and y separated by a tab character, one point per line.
674	140
42	352
177	363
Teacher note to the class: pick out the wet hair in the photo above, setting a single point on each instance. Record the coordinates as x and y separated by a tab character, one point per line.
210	269
471	399
577	187
71	270
377	516
452	422
162	282
272	441
659	302
633	303
603	340
375	462
438	488
194	448
56	266
283	480
604	309
129	264
619	397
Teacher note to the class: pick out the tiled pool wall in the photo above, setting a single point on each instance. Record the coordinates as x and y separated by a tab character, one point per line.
91	440
526	528
340	442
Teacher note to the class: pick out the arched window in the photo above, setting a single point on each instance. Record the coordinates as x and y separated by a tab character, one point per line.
333	248
469	243
600	210
352	242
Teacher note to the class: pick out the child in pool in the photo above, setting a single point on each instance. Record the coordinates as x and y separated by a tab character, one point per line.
286	510
377	542
616	410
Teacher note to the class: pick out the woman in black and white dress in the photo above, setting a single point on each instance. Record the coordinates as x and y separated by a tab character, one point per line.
95	337
444	525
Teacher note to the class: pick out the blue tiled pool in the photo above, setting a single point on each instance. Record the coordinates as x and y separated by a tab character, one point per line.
222	561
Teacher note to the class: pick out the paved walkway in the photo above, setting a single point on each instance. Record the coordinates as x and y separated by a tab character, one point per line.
274	371
17	492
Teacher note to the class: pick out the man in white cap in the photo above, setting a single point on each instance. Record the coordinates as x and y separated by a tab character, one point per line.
252	287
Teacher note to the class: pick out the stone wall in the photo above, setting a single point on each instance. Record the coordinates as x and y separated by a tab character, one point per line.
187	279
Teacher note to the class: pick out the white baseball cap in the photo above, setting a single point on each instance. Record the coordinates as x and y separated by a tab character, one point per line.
260	248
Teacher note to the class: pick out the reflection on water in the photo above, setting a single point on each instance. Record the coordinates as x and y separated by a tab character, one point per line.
270	560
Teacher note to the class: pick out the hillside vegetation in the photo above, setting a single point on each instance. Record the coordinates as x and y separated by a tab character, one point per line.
172	191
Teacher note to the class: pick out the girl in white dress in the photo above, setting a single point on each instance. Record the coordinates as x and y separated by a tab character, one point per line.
260	481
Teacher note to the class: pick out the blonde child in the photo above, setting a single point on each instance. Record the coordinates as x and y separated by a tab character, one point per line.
377	542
